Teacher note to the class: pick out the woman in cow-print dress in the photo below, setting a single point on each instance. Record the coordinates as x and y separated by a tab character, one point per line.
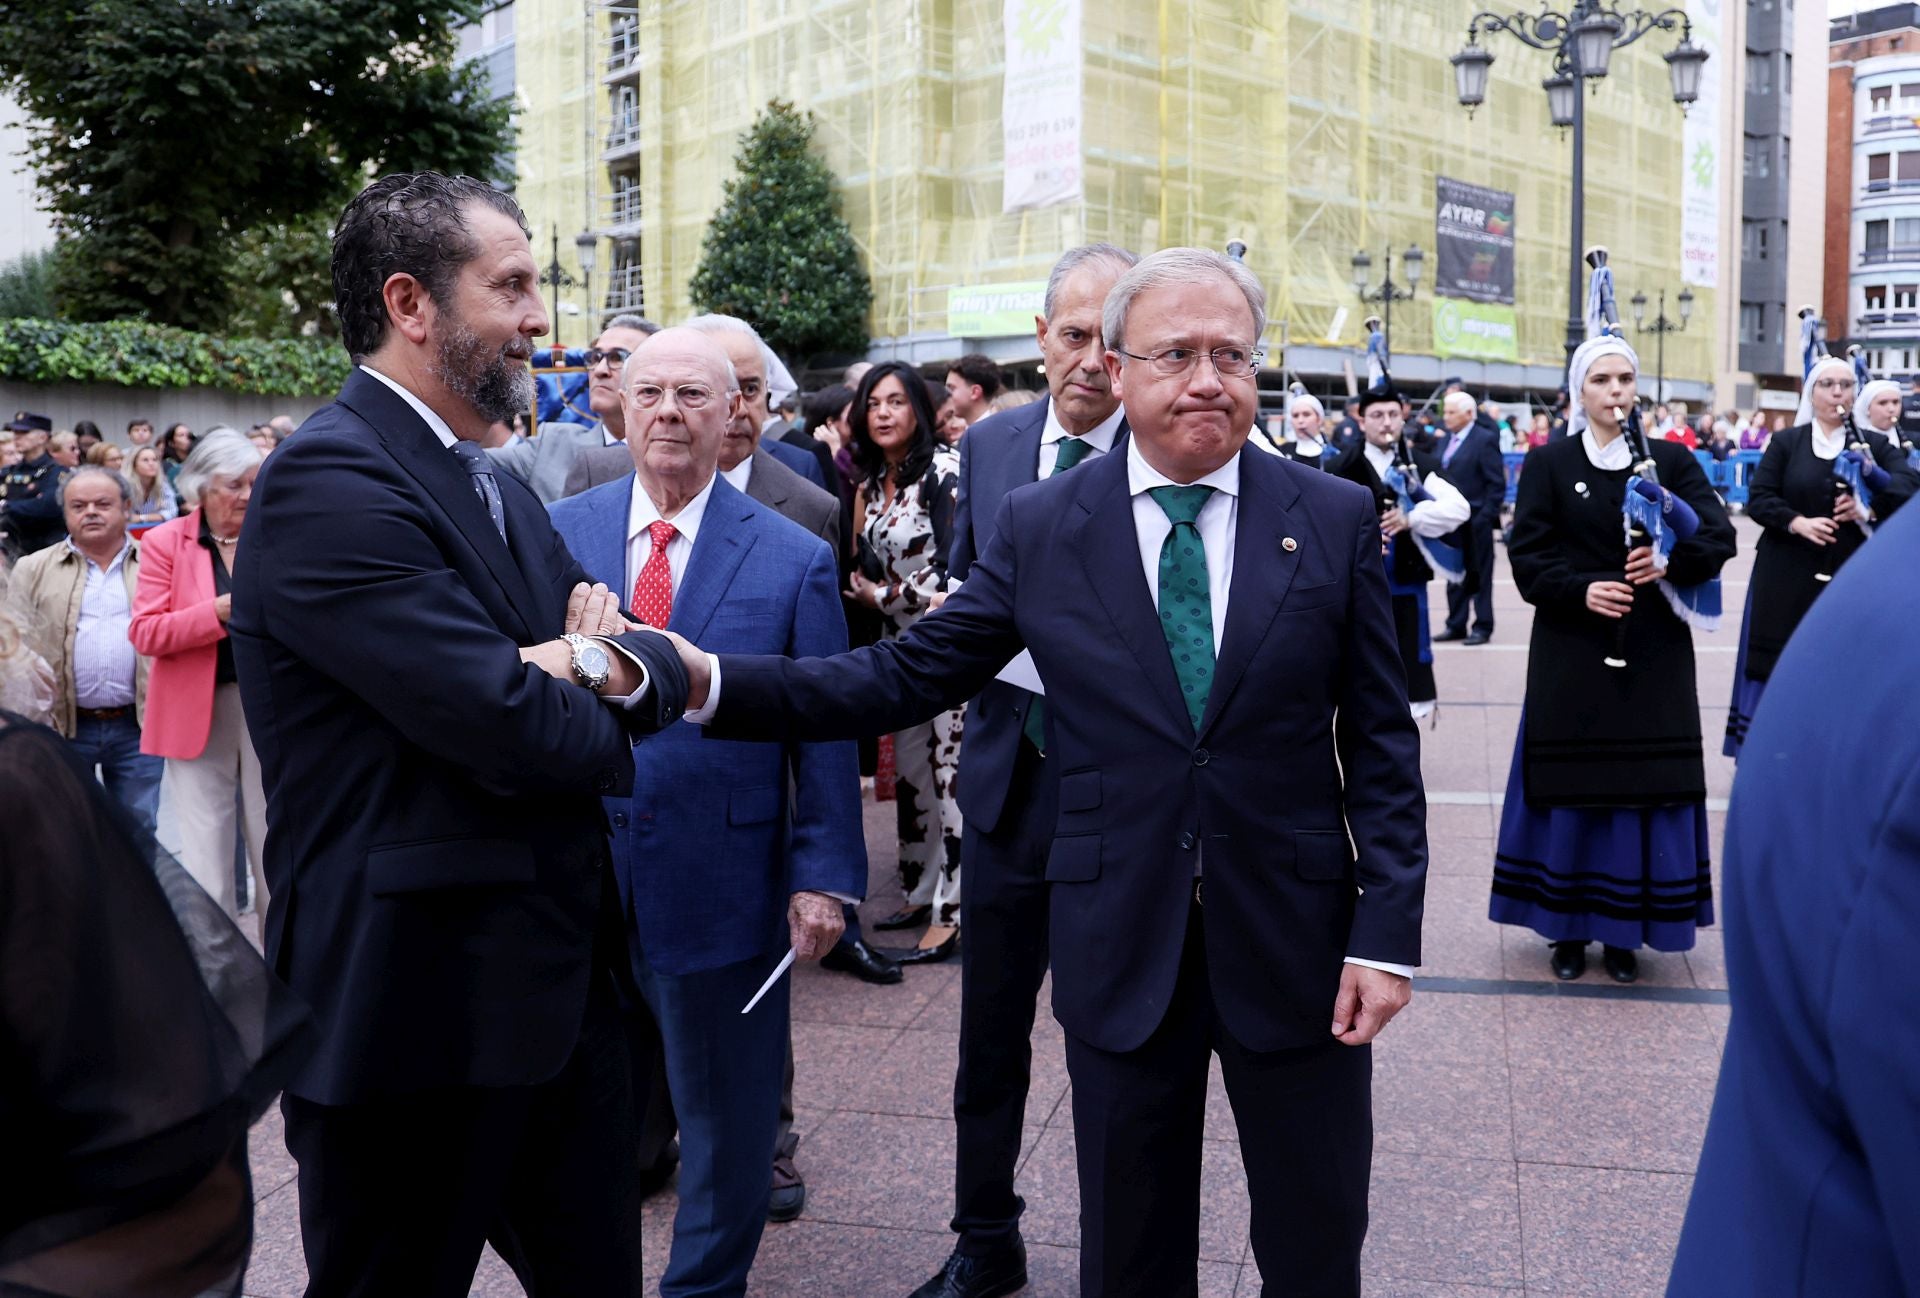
903	517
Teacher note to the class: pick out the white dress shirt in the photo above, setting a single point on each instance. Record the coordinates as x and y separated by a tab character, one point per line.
444	431
1099	441
1447	510
104	663
642	514
738	476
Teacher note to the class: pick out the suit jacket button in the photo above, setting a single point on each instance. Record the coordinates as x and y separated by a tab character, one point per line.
1186	842
1201	757
620	819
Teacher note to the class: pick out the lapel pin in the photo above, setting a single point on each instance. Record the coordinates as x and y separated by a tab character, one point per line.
1288	544
1580	487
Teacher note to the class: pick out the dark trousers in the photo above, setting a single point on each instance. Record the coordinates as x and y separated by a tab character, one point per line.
1003	912
725	1068
1479	576
397	1195
131	776
1306	1139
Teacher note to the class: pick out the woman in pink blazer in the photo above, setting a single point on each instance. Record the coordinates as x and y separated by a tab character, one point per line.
193	703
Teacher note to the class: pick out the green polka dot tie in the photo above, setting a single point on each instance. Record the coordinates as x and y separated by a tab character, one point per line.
1072	451
1186	602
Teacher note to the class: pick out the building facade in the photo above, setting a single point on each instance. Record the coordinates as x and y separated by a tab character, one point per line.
1310	130
1872	283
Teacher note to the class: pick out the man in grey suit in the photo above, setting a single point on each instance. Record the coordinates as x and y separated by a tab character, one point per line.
770	482
543	462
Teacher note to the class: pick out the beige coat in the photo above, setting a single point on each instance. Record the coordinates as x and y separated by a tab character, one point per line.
45	588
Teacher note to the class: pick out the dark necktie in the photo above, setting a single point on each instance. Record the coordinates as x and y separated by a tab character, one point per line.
1186	600
480	468
1072	451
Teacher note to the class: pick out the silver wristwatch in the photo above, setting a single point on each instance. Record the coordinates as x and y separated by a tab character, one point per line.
591	665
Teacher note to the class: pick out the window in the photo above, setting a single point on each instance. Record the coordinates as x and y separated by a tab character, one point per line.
1904	295
1752	322
1906	231
1758	158
1876	297
1910	92
1906	166
1876	236
1877	168
1759	74
1880	99
1753	240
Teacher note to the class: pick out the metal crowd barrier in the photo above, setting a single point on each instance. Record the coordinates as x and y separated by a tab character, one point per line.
1729	477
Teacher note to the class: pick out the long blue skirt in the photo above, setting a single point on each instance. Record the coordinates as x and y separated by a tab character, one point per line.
1746	691
1628	877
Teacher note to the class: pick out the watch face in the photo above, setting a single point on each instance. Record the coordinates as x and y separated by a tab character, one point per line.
594	661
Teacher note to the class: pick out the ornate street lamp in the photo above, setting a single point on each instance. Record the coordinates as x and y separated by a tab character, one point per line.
1386	293
556	278
586	245
1660	327
1582	42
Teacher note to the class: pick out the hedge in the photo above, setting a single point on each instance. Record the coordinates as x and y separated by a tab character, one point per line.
134	354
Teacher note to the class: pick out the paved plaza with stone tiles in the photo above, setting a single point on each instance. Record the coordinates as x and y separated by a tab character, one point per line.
1530	1137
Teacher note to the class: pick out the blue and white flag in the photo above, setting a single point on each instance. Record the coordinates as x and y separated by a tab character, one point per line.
1447	560
1697	606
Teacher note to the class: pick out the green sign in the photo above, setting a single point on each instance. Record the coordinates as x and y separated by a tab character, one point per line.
1486	331
995	310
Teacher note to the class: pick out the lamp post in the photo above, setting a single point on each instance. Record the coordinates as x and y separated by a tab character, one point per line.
1660	328
585	245
556	278
1386	293
1582	43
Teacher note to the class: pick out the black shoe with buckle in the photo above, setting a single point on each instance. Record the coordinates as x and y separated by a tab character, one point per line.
989	1275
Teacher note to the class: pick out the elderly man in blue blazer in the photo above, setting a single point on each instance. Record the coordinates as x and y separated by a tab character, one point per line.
1808	1182
1239	856
725	853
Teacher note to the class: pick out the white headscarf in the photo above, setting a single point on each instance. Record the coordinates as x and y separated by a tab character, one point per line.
1583	358
1307	399
1863	402
1804	415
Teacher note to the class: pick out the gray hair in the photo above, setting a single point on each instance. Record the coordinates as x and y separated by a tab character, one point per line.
1460	401
220	453
631	321
1074	258
1179	266
97	471
715	323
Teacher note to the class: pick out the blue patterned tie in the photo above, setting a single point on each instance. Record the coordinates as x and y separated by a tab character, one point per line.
1186	600
480	467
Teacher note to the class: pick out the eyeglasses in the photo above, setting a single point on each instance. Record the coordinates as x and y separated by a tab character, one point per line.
688	396
1833	385
1229	362
594	355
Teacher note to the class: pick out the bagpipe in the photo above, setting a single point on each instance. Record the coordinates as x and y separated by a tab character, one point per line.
1854	474
1400	488
1638	531
1653	517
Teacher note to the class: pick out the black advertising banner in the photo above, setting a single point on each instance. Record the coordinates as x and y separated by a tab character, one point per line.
1473	235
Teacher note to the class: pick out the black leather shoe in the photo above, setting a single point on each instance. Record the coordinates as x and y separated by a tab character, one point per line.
1622	965
905	917
925	954
995	1275
789	1187
1479	636
1569	960
863	962
1451	634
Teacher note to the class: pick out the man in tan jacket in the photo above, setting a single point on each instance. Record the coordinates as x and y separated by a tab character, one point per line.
76	597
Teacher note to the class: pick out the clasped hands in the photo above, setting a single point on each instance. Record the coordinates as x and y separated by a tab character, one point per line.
591	611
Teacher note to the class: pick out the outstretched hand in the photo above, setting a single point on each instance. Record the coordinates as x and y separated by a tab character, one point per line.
699	678
1367	1001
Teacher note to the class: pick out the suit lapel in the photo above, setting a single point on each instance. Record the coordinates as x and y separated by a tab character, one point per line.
1109	548
415	448
1023	463
1263	570
718	550
603	545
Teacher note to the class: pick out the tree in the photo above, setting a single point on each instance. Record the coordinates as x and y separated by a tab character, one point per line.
26	286
778	254
164	132
283	280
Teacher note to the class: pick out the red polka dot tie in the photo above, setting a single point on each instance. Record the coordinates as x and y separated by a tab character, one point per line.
653	589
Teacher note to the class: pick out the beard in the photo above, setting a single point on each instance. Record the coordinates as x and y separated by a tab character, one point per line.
494	381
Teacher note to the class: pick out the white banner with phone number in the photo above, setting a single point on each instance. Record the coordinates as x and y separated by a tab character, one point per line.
1040	104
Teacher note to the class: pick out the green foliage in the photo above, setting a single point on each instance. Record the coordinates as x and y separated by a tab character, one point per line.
134	354
26	285
165	131
283	280
778	254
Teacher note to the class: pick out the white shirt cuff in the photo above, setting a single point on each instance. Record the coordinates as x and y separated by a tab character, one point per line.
1404	970
700	716
630	701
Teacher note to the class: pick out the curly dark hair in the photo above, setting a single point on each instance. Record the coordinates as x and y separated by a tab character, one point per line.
868	459
411	223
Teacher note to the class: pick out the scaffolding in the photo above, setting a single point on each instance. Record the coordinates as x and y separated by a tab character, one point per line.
1310	130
